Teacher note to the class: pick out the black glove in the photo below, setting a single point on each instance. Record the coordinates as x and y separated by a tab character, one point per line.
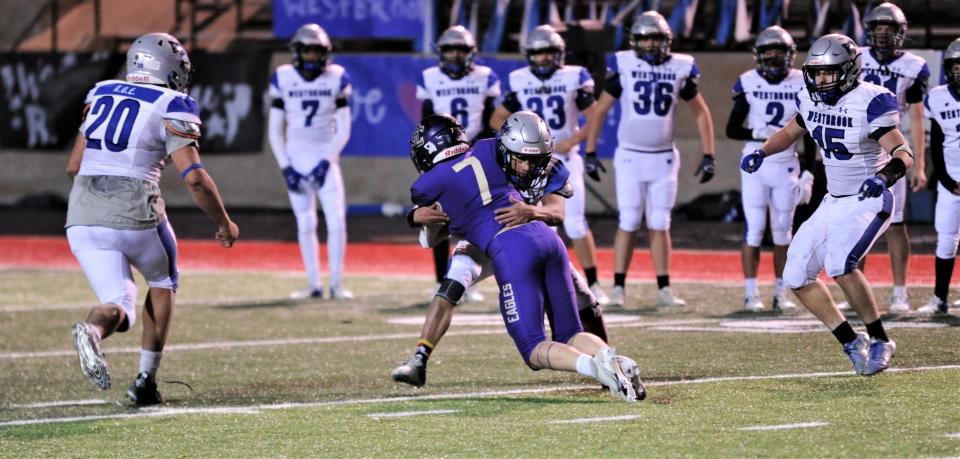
708	167
593	166
293	178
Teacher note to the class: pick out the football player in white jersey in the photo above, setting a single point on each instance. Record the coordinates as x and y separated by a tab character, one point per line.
461	88
764	98
855	125
116	217
905	75
309	125
559	93
648	80
943	108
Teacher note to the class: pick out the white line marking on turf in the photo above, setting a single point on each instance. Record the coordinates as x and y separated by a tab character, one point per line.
95	401
627	417
799	425
254	409
404	414
952	435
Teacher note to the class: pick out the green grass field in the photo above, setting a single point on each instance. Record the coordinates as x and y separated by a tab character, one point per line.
270	377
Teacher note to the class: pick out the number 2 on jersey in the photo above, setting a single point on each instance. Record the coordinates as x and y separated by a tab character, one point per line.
474	163
103	109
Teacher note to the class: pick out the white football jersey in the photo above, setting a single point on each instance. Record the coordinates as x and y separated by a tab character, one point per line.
461	98
905	72
772	106
308	108
842	131
649	95
124	128
942	107
553	99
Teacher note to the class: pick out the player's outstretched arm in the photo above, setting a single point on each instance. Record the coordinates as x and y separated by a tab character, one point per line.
499	115
783	138
205	193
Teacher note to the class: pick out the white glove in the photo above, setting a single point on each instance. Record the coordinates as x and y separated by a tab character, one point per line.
806	188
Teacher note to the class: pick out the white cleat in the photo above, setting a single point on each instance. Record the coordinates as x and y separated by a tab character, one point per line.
665	299
934	306
899	304
782	304
843	306
340	294
599	294
92	362
307	294
632	371
752	303
617	297
473	295
611	375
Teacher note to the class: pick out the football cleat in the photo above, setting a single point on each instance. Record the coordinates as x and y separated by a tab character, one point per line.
843	306
782	304
611	375
92	362
857	351
340	294
412	372
473	295
934	306
665	298
632	371
599	294
899	304
143	391
617	297
307	293
752	303
879	356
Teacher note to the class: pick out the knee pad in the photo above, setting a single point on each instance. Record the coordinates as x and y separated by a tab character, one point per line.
947	245
575	227
630	218
451	290
782	237
781	226
464	269
753	236
658	219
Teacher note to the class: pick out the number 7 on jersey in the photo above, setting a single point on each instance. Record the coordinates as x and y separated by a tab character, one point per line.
474	164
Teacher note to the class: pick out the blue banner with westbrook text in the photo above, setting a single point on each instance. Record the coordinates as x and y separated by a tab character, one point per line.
351	18
385	107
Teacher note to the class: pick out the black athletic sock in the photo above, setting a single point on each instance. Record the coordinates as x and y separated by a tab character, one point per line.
875	330
591	275
424	348
944	270
844	333
663	281
593	323
619	279
441	255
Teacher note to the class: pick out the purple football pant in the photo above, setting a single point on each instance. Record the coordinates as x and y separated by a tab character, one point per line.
532	269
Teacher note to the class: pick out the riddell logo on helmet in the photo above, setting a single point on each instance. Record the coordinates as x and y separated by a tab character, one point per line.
530	150
453	151
138	78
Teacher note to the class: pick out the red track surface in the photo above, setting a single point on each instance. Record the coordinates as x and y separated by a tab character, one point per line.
393	259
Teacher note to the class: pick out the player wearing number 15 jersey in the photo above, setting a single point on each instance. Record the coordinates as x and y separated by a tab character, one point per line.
559	94
648	80
116	217
855	124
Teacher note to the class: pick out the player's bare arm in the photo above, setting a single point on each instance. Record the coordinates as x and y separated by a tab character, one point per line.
783	138
918	173
581	134
701	112
429	215
205	193
551	212
499	115
602	107
895	143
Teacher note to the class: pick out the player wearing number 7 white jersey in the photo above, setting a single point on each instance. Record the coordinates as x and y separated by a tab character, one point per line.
855	124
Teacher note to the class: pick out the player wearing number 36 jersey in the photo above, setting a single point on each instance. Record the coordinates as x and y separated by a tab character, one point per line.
855	124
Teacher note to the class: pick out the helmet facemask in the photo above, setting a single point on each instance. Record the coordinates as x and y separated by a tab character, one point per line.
829	91
951	70
456	61
885	39
310	60
652	48
524	170
774	61
544	61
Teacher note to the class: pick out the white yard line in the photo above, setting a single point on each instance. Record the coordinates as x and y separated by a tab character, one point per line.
253	409
799	425
627	417
952	435
405	414
95	401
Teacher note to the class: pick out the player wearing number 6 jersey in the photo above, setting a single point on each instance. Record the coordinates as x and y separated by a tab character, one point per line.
461	88
116	217
309	126
559	94
855	124
648	80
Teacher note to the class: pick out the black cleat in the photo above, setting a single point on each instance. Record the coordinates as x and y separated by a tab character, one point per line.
412	372
143	392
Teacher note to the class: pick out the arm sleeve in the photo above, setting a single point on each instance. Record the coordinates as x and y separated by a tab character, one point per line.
585	98
689	90
738	114
936	154
916	91
613	86
278	142
511	102
426	109
800	121
808	160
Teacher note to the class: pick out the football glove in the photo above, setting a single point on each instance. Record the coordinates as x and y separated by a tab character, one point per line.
293	178
319	173
593	166
708	167
806	188
751	163
872	187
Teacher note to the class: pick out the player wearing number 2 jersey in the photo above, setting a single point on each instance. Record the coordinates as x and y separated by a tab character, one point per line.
855	124
116	217
648	80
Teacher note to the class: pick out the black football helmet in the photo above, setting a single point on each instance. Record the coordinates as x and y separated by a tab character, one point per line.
437	138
